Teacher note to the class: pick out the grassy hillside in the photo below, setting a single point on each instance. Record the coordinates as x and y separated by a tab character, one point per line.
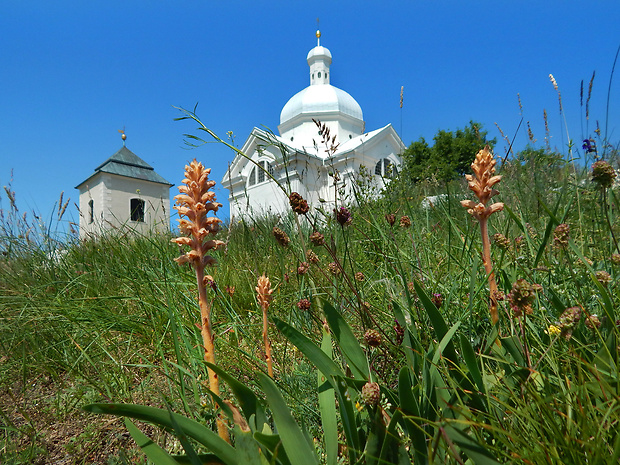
397	296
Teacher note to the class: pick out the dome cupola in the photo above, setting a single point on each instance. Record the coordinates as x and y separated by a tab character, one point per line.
320	101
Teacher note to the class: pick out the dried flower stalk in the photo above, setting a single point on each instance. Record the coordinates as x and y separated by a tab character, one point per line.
481	183
263	295
193	203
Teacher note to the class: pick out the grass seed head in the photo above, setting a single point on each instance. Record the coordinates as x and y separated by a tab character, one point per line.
522	296
603	174
298	203
317	238
373	338
371	394
281	237
561	235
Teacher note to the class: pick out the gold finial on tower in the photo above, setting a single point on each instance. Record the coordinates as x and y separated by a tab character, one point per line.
318	33
123	135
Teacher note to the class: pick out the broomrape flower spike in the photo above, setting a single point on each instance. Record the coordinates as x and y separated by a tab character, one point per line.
263	296
481	183
194	203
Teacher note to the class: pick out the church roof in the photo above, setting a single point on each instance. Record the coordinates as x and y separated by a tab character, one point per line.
128	164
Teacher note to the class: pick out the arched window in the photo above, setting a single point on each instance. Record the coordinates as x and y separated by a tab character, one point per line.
257	175
91	211
385	168
136	207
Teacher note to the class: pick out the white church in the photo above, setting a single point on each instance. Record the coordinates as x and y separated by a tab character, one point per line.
124	193
299	159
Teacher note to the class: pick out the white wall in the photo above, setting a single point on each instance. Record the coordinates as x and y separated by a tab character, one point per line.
112	195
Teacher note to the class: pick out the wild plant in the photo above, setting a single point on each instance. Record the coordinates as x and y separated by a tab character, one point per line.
481	183
194	203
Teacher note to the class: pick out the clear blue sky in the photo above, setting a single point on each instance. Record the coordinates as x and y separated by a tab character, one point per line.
72	73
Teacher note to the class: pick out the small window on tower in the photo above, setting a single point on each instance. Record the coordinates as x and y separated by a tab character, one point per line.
319	74
91	211
137	210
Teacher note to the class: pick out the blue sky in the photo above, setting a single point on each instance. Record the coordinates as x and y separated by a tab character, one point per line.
75	72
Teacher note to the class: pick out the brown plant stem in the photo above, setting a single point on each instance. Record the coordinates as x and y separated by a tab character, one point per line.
488	268
208	344
264	291
267	344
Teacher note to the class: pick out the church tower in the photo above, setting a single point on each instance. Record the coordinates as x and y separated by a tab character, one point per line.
126	193
321	101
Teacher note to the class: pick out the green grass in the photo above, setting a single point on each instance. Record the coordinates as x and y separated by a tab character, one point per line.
114	320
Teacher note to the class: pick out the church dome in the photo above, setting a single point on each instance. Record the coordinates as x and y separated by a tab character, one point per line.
316	99
320	96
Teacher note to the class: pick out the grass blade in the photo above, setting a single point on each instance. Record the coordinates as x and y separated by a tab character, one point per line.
347	342
161	417
150	448
295	442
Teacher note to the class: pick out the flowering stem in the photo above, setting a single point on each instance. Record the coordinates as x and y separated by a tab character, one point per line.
267	344
488	268
207	340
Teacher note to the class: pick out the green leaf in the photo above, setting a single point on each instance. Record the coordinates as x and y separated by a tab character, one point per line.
445	341
273	443
249	403
153	452
295	442
182	437
161	417
248	452
439	325
411	413
477	453
513	346
472	363
325	364
327	407
347	342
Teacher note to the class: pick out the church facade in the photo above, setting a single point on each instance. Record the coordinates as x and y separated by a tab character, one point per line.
301	159
124	193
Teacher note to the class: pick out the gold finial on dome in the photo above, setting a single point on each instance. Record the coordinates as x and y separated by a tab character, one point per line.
318	33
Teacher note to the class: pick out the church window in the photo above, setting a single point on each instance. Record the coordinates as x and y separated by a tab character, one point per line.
319	74
385	168
137	210
261	172
252	180
91	211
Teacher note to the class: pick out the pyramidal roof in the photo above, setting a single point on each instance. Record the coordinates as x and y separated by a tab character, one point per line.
128	164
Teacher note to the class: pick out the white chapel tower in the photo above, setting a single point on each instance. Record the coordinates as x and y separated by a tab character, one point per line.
125	193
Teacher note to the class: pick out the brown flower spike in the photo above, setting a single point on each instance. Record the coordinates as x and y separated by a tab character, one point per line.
194	203
263	295
481	183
